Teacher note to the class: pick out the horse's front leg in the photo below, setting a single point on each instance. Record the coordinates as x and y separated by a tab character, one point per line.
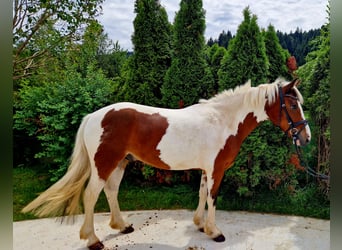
203	193
210	228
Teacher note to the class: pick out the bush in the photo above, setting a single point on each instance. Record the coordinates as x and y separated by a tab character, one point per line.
52	112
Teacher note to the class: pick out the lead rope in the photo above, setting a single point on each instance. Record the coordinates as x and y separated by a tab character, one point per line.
308	169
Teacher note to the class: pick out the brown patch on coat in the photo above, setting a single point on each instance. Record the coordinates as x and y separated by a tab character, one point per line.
128	131
227	155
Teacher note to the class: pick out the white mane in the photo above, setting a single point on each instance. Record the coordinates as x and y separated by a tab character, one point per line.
253	96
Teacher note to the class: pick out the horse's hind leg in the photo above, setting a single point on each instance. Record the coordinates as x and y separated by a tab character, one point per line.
203	193
111	190
91	194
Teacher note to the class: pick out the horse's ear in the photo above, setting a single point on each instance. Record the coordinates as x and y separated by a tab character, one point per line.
289	86
296	81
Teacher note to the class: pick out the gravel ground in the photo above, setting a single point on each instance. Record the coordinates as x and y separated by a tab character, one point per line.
174	229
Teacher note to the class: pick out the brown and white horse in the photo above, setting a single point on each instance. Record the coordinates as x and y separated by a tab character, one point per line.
204	136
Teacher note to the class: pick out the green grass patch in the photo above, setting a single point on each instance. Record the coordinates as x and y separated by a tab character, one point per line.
307	201
28	183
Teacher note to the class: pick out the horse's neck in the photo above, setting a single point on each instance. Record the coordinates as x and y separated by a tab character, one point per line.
241	105
247	126
234	141
242	118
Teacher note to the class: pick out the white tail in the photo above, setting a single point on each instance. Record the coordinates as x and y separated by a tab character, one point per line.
63	197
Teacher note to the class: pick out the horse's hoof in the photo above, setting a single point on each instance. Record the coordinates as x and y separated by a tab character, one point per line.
219	238
128	230
96	246
201	230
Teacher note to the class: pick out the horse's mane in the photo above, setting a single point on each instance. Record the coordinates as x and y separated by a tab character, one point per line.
253	96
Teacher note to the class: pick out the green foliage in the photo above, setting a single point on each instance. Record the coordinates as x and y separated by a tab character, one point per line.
49	105
260	162
35	34
83	54
53	111
315	75
189	78
216	54
276	56
298	43
111	58
246	58
152	54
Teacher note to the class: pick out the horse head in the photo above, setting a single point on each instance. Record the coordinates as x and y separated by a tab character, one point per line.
287	113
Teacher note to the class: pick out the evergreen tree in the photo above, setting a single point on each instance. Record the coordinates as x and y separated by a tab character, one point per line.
152	53
224	39
216	54
276	55
298	43
189	77
246	58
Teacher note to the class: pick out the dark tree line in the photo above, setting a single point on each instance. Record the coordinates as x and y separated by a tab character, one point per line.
297	43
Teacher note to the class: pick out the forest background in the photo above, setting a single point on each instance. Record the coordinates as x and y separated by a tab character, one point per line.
66	67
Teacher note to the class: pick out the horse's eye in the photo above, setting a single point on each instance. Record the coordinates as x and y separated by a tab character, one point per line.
293	106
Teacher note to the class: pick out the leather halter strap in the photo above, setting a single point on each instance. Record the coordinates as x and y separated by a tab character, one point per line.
292	125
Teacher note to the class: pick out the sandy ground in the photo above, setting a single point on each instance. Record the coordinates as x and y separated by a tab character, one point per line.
174	229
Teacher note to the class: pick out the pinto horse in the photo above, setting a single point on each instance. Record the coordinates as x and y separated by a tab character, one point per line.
205	136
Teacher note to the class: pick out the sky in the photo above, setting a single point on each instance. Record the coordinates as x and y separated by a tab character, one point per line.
285	15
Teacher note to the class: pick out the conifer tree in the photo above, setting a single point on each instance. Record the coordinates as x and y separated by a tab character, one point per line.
246	58
189	77
152	53
215	55
276	55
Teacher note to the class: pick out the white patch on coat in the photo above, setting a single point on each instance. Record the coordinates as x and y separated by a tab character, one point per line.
196	134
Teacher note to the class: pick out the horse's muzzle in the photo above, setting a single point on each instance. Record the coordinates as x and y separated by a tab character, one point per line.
301	137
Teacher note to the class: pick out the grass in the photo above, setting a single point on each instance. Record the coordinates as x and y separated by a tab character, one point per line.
27	183
306	201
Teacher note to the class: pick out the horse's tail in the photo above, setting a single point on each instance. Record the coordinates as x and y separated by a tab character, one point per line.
63	197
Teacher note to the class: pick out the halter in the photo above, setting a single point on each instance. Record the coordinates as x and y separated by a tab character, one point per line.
295	132
292	125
